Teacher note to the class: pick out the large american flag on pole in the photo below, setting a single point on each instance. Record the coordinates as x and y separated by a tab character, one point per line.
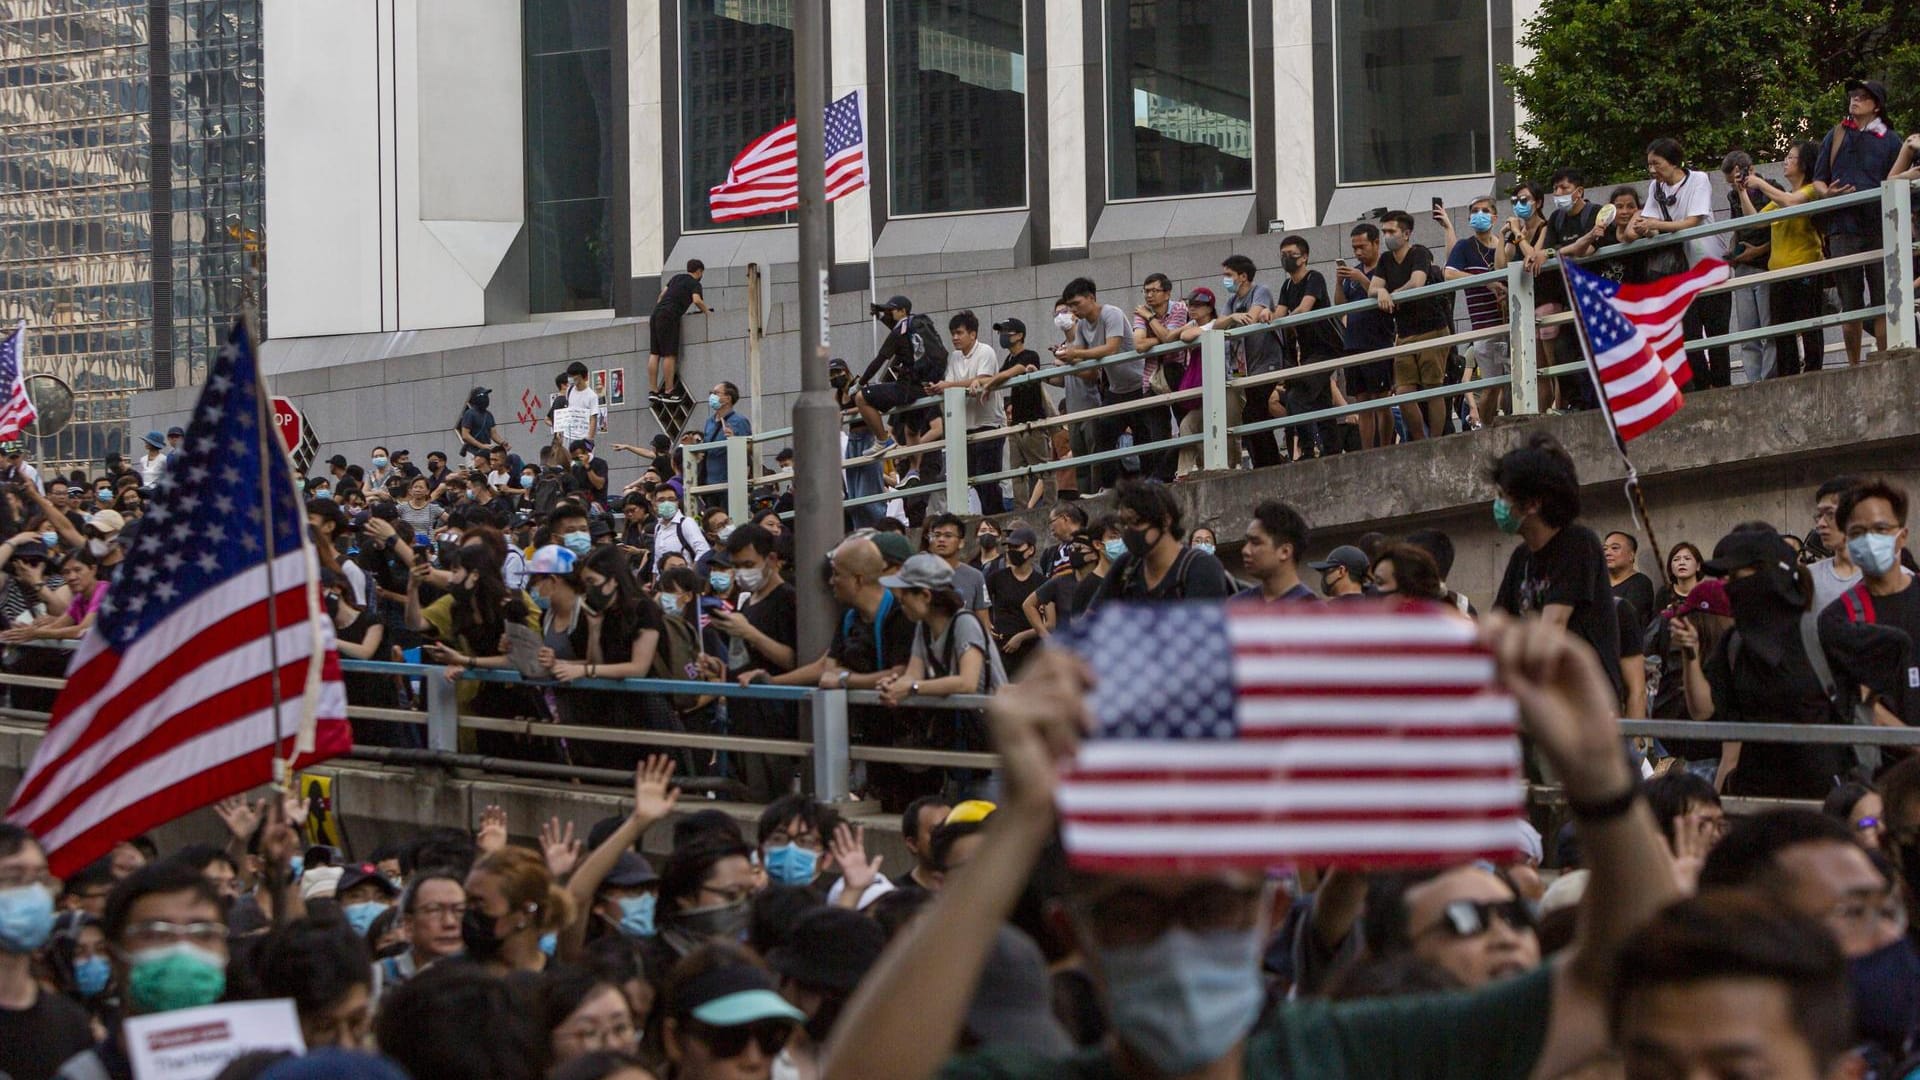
1636	337
169	702
765	177
18	411
1253	736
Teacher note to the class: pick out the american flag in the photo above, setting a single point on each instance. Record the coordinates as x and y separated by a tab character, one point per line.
168	705
1636	338
1252	736
765	178
18	412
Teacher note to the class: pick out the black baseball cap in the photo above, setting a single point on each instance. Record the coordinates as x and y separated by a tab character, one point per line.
175	430
339	460
1011	326
1748	547
895	302
1874	88
1351	558
361	874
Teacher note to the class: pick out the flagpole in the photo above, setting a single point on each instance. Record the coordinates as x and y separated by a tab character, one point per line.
1636	498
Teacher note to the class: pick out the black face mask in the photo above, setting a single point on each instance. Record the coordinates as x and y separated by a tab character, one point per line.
1018	558
1886	993
1289	263
1136	541
989	542
597	601
461	589
478	935
481	401
1077	559
333	605
1762	597
1006	341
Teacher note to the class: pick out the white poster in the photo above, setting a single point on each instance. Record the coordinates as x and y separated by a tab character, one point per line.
195	1044
573	423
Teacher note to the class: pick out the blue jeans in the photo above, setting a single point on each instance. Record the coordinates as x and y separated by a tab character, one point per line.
863	480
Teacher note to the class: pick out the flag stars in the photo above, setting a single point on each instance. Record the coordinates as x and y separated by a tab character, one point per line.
208	561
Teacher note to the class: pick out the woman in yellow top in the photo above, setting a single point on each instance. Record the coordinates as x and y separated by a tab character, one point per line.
1795	243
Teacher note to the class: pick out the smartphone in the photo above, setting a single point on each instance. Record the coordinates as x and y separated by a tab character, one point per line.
1339	264
1439	203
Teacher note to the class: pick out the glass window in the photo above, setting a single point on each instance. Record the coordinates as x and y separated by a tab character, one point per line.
1414	84
736	84
569	133
956	105
1179	98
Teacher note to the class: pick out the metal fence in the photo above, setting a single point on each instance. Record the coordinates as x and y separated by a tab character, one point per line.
1219	429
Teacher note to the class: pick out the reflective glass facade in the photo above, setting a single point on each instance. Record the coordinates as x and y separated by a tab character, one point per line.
736	84
1414	80
569	132
1179	98
956	105
77	190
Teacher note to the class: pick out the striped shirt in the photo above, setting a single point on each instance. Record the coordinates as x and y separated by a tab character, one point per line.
1483	307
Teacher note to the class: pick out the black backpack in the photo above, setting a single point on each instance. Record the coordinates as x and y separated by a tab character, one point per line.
929	362
546	494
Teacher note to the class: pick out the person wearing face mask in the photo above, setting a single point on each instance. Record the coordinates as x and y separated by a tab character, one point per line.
1470	256
792	837
1025	403
723	423
1010	586
383	469
1064	596
361	636
1179	954
613	883
512	901
1246	302
760	635
79	957
363	895
1873	515
1405	267
706	890
476	423
673	533
468	625
1763	670
1155	565
39	1029
1559	569
587	476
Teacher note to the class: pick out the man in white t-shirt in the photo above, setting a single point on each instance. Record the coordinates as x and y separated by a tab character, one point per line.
1681	198
970	366
579	394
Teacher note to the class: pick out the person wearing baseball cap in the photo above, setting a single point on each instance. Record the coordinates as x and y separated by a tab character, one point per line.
952	652
826	955
1342	573
364	894
1857	154
1762	670
1026	404
724	1016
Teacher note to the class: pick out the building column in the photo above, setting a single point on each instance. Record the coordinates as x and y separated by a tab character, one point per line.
1291	136
1066	75
853	215
646	121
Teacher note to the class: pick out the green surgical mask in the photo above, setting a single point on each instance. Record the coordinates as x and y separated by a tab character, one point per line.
1506	516
173	977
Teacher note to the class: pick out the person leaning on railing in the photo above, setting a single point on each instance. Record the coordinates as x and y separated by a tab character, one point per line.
1795	242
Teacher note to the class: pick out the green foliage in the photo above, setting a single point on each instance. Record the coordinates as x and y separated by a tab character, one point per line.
1610	76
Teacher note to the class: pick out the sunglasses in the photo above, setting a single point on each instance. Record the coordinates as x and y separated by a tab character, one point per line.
1471	918
731	1042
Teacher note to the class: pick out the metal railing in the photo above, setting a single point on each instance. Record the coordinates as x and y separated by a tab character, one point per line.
1219	430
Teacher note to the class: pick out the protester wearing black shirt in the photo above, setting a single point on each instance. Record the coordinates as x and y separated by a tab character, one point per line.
1558	571
1301	291
1626	582
663	329
1010	586
1156	565
762	633
1026	402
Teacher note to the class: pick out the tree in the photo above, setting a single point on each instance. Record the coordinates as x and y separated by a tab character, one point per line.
1609	76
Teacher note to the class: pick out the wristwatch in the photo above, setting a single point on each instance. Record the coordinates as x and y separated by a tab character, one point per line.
844	676
914	690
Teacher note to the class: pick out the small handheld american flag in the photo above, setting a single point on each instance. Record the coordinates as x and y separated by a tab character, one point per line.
1255	736
18	411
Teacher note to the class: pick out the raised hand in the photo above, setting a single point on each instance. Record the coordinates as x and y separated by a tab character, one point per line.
1693	836
857	872
1566	703
558	845
294	807
653	796
492	835
240	816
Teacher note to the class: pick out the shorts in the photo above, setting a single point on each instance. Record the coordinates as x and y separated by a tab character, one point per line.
1424	369
888	396
1490	357
663	334
1372	377
1847	279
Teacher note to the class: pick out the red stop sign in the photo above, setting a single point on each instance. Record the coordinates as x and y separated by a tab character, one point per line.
288	422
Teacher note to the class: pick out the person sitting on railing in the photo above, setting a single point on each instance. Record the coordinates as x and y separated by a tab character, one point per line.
1366	331
1857	154
1469	256
911	356
1792	242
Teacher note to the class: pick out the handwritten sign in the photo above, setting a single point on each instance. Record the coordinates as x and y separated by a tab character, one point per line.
196	1044
571	423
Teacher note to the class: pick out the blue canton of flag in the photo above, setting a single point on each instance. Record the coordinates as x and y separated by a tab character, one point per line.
1636	337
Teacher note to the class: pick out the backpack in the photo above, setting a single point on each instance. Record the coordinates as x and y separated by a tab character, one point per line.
546	494
1854	711
677	657
929	363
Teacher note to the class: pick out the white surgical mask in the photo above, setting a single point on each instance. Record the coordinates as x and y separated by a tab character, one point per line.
749	578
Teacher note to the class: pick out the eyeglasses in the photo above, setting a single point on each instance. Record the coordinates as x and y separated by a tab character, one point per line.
731	1042
613	1036
1137	918
15	877
1471	918
731	895
161	932
456	912
1823	513
810	841
1867	824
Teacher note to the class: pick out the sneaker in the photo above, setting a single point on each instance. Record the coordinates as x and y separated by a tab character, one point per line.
655	397
680	395
882	446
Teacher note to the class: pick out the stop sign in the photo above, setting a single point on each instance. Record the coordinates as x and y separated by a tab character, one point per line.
288	422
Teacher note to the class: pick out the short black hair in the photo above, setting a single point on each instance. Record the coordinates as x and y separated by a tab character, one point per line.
1633	542
1239	264
1151	502
1400	218
687	868
1672	792
1877	488
1578	178
964	320
1628	190
1437	544
13	838
729	389
1080	286
694	266
153	879
1734	935
1284	525
1540	471
1296	240
314	961
941	521
1837	486
441	847
427	1025
1384	921
1669	149
1842	799
1745	857
750	536
1160	279
1367	229
201	856
910	818
823	818
576	368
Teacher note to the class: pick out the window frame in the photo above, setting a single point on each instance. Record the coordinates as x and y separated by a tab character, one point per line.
680	129
1026	122
1255	144
1339	161
528	56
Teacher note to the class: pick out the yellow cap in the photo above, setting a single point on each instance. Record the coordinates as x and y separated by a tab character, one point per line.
971	810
